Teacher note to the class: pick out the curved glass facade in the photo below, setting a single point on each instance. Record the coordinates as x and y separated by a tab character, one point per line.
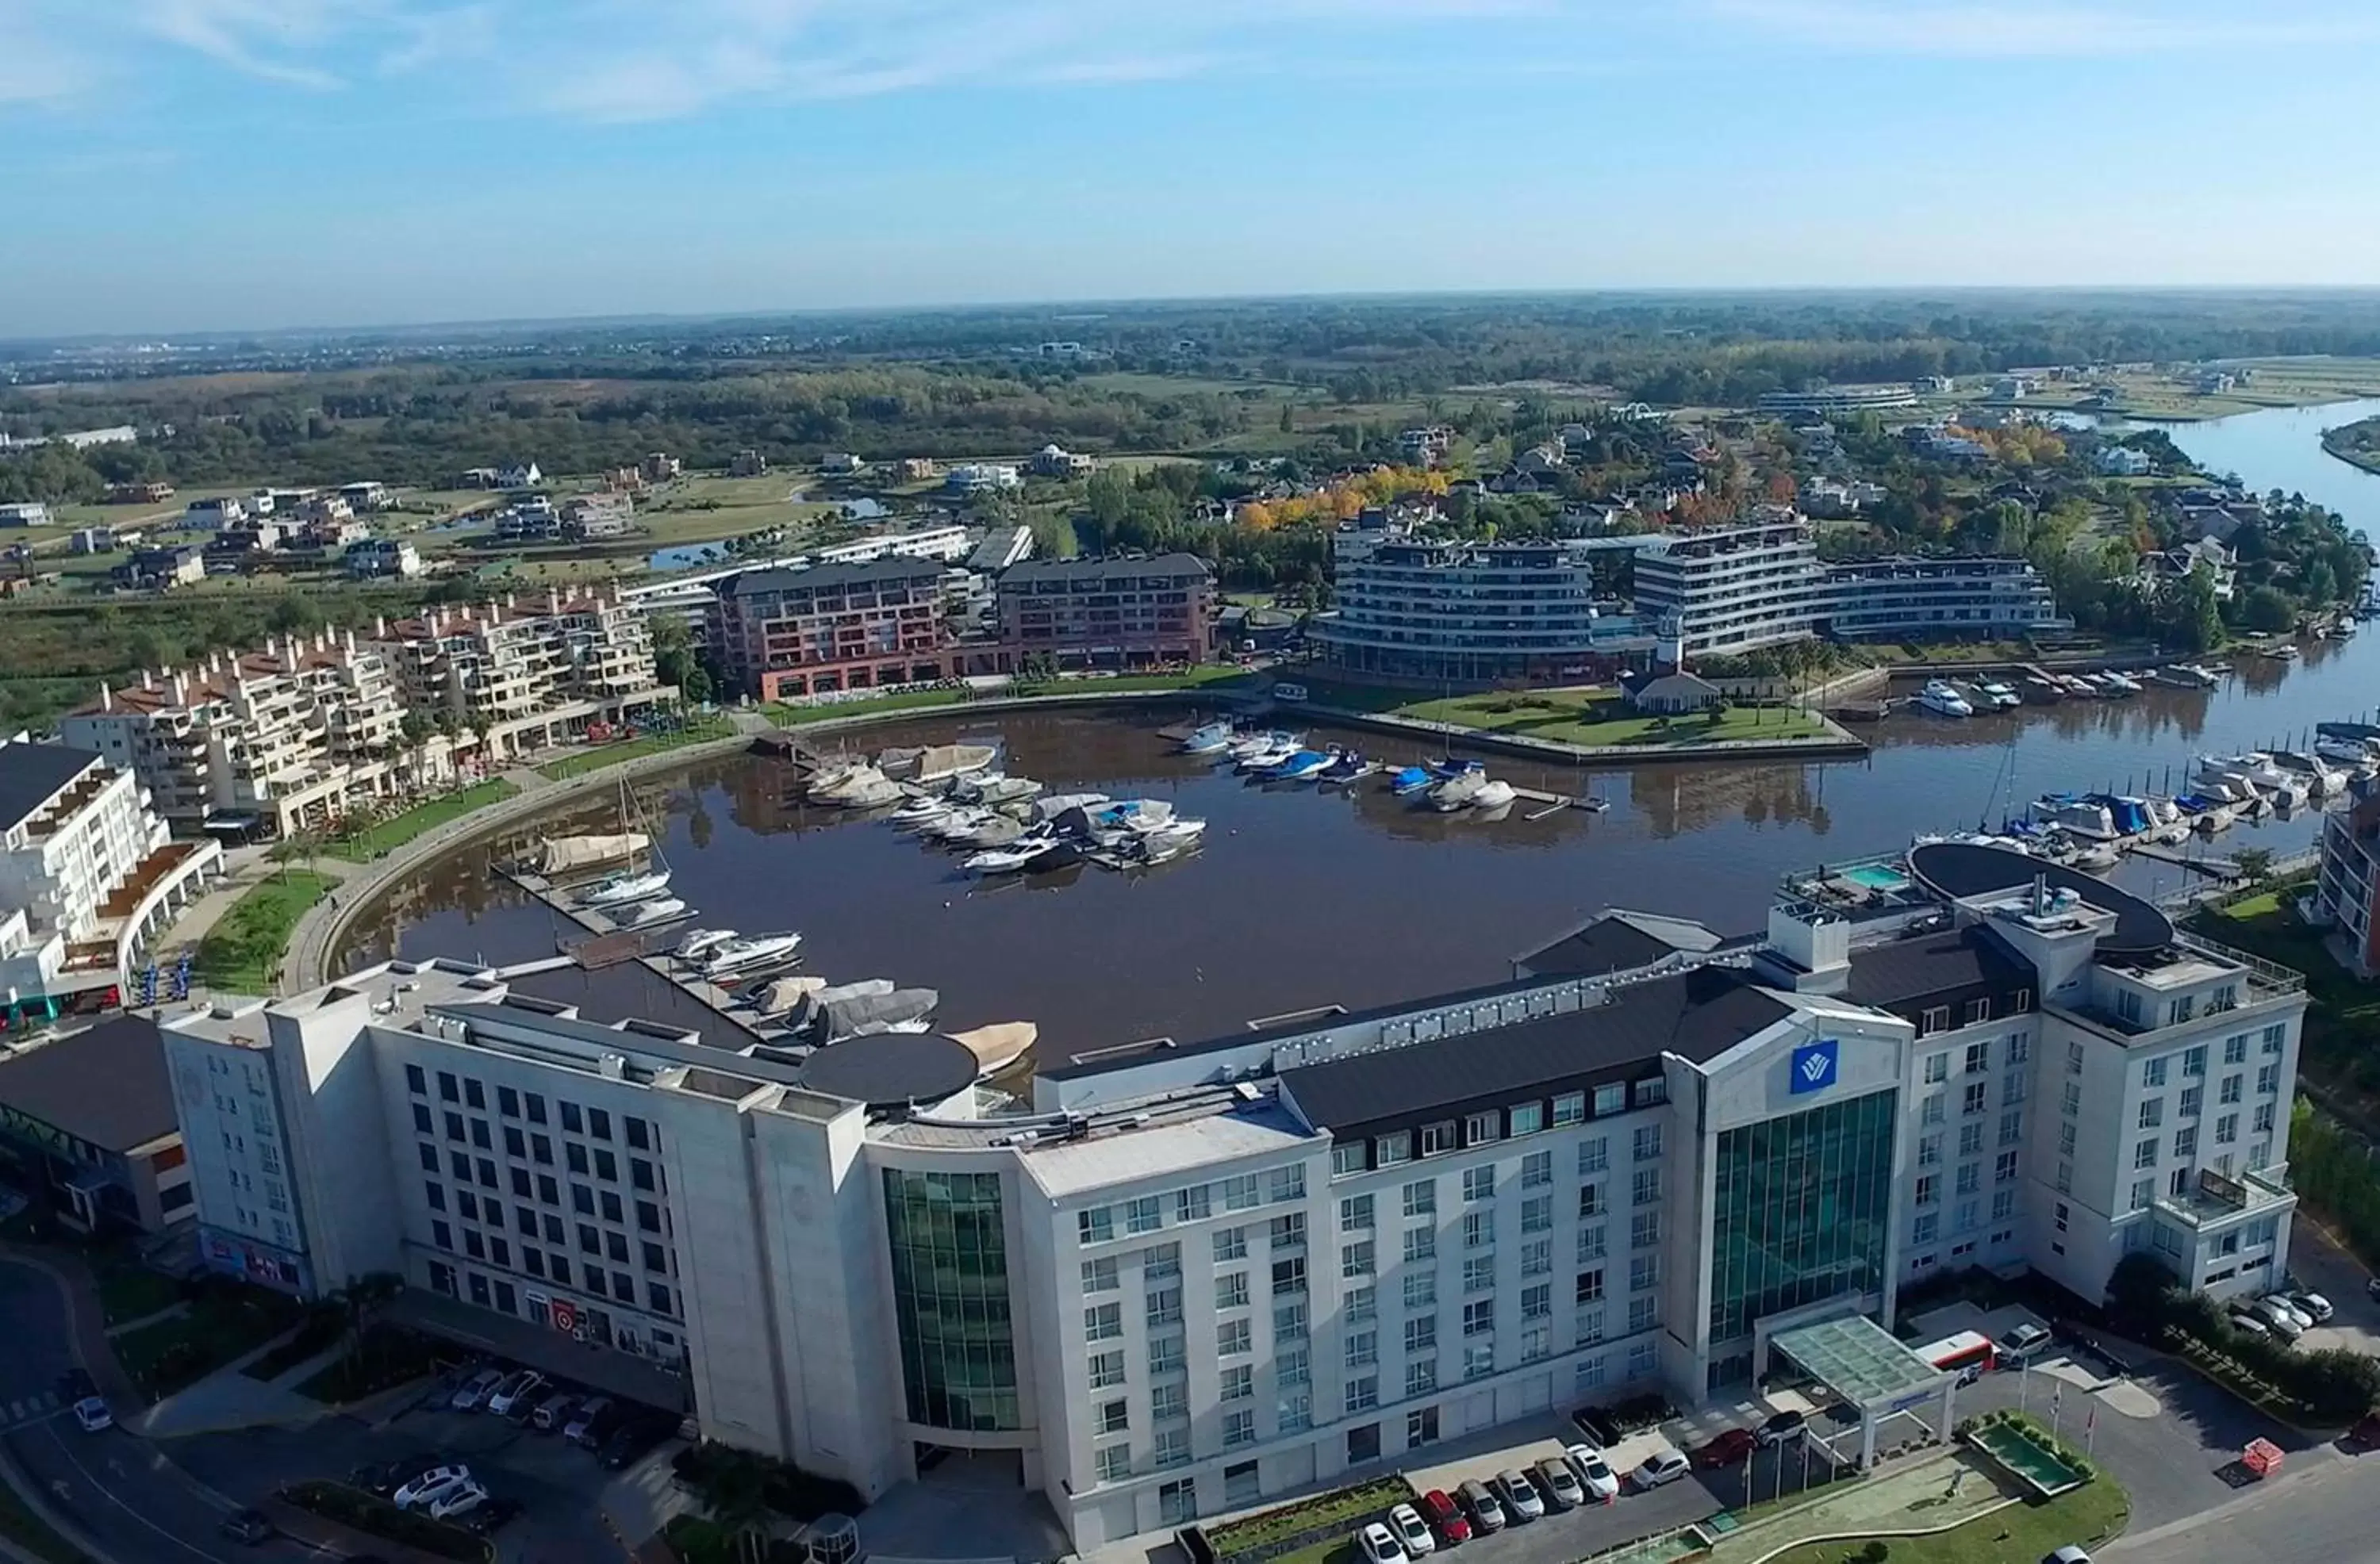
1803	1210
950	1293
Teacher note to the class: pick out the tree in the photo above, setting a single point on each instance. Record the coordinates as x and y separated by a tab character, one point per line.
359	1302
2255	864
286	852
732	1488
2267	609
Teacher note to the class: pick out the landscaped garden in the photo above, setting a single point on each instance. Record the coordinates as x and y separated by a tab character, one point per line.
244	950
1594	719
596	757
376	1517
380	838
225	1321
1307	1531
383	1357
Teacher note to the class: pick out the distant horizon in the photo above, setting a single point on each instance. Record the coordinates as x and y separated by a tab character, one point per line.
230	166
496	325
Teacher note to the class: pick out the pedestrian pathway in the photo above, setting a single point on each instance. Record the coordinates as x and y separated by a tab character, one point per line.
25	1411
228	1398
171	1311
1931	1494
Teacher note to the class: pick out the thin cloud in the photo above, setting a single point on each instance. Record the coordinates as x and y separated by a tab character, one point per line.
2033	28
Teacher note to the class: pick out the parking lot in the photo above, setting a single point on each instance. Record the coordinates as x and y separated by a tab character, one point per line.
561	1489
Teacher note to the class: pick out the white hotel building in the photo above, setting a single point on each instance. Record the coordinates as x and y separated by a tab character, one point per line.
1197	1275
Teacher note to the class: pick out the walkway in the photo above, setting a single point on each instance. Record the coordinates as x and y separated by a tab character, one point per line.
228	1398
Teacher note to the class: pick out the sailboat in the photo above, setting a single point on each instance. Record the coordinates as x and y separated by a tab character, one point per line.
629	884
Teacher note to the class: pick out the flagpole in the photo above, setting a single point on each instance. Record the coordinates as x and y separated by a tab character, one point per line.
2057	1400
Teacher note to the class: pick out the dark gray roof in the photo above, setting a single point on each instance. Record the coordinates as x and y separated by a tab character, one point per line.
874	573
1035	572
1607	945
1961	870
31	774
891	1069
107	1085
1910	975
1697	1015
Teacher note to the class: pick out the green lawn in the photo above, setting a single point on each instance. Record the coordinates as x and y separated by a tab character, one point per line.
598	756
223	1323
387	1356
243	952
1598	718
1195	678
1334	1511
386	836
905	700
129	1290
2022	1534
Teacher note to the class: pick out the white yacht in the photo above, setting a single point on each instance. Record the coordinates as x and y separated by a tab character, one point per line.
1942	698
700	942
644	914
1457	792
1999	697
738	955
623	889
1494	796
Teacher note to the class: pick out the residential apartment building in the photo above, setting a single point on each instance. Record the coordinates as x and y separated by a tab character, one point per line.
1730	591
1414	608
294	733
1191	1277
1838	400
1120	612
527	676
91	869
2349	886
1965	598
783	634
87	1123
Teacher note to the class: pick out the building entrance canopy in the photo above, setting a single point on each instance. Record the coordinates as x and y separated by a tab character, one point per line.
1866	1365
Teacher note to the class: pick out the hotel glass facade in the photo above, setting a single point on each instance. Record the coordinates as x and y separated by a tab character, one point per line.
950	1299
1801	1211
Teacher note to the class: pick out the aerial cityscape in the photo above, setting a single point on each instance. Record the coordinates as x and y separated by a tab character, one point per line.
763	798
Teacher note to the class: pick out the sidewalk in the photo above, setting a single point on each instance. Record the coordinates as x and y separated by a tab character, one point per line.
228	1399
1932	1494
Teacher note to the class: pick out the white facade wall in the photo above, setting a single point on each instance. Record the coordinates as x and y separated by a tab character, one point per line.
65	874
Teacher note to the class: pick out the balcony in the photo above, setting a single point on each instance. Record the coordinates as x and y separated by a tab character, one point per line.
2216	1201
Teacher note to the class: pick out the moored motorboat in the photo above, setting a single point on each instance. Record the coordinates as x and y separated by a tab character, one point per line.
621	889
1412	780
644	914
699	943
738	955
1942	698
1998	696
1304	766
1493	795
1212	739
1457	791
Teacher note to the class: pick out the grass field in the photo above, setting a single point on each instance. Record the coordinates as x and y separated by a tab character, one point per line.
2022	1534
224	1324
598	756
388	835
1590	719
243	952
905	700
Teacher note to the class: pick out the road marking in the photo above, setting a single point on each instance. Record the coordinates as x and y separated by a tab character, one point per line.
109	1495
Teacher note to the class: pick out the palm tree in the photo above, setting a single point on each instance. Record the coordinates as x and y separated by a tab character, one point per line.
360	1301
732	1491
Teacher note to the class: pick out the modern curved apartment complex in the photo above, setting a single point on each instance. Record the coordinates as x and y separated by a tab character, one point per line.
1188	1276
1966	597
1470	612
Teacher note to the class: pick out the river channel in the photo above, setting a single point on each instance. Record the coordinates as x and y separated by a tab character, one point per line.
1303	898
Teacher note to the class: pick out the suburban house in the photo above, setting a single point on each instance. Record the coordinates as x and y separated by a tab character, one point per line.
1676	693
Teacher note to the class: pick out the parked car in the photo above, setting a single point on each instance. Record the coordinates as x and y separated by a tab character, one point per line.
1729	1448
518	1396
1411	1530
1558	1484
1445	1518
1519	1496
1595	1474
2247	1322
493	1516
92	1414
2367	1433
461	1499
248	1526
417	1489
2283	1300
1661	1466
552	1414
1379	1546
386	1477
635	1439
2314	1305
2023	1340
2283	1320
2069	1554
1784	1426
470	1394
594	1422
1486	1514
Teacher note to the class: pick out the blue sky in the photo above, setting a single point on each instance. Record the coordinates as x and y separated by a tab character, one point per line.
208	164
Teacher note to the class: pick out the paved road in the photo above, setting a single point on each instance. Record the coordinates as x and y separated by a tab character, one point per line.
131	1502
2328	1514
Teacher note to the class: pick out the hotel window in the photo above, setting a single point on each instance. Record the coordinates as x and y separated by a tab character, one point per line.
448	1091
1479	1183
1970	1140
1421	1243
1242	1193
1164	1354
1652	1090
2269	1078
1644	1273
1978	1011
2144	1191
1232	1290
1387	1151
1479	1230
1238	1383
423	1122
415	1081
1421	1199
1288	1231
571	1120
1936	1019
1647	1186
2075	1058
1363	1349
1538	1214
1288	1184
1479	1129
1970	1176
2264	1120
2153	1075
1231	1243
1644	1314
1191	1205
2074	1102
1594	1155
1570	1108
2144	1152
1347	1157
1479	1274
2020	1048
1979	1055
1438	1139
1479	1316
1648	1143
2231	1089
1115	1462
1924	1227
2152	1112
1356	1213
2193	1099
1177	1503
2194	1060
1095	1225
2235	1049
1973	1099
1363	1394
1590	1287
1929	1189
1231	1337
1421	1290
1143	1215
1288	1277
1421	1379
2021	1001
2003	1207
1239	1428
2185	1140
1103	1322
1644	1231
1610	1100
1100	1276
1937	1069
1356	1260
1528	1118
1536	1170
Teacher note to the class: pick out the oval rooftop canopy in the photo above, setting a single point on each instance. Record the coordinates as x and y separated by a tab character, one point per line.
1963	871
891	1069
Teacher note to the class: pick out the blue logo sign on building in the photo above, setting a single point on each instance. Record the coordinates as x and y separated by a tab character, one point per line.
1813	1066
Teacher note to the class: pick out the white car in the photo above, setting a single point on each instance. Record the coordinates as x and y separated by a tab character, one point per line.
2313	1304
92	1414
460	1499
1661	1466
431	1483
1596	1472
1412	1531
520	1391
476	1389
1379	1545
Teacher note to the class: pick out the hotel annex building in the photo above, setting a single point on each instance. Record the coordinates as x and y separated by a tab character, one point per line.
1190	1277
